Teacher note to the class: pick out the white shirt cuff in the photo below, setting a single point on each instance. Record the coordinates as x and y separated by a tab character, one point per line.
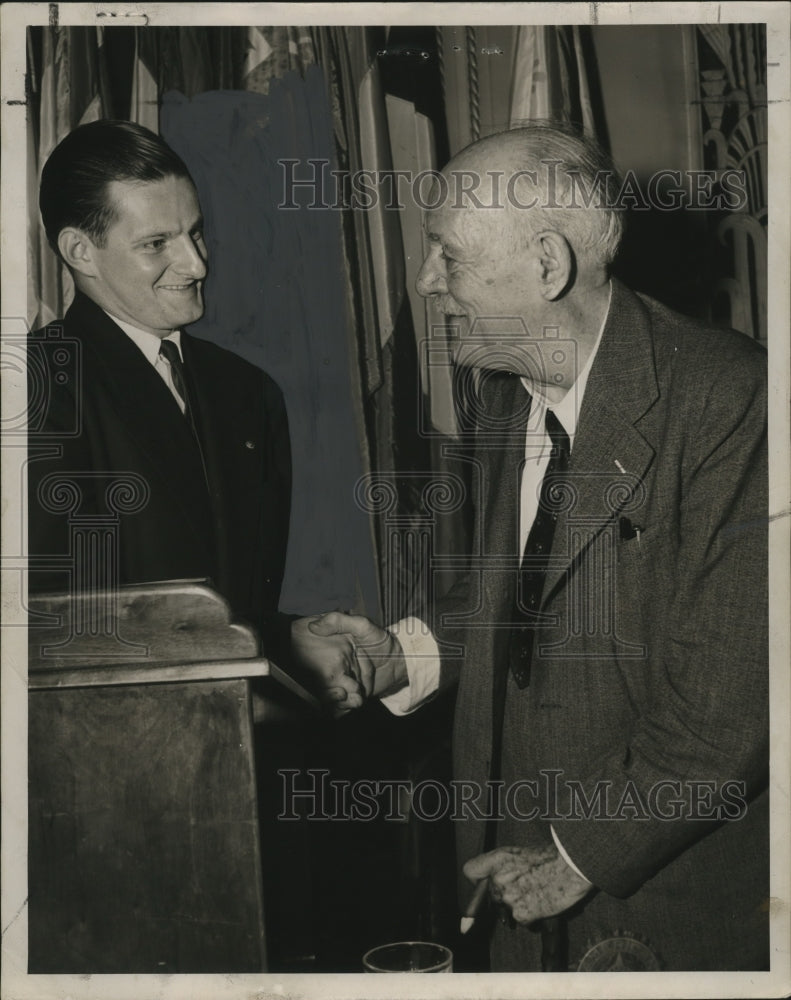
422	666
566	858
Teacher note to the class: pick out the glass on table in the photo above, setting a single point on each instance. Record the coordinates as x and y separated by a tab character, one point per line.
409	956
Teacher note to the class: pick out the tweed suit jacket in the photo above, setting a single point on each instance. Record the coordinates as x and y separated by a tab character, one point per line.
642	735
109	416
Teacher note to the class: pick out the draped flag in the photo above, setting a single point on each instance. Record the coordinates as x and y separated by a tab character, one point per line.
273	51
72	89
551	77
144	104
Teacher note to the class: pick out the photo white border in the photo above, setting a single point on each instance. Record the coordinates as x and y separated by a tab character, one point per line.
15	983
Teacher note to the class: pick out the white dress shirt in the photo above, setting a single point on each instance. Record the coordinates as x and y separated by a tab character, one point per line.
149	344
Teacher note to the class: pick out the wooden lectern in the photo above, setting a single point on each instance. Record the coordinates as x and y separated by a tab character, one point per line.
144	852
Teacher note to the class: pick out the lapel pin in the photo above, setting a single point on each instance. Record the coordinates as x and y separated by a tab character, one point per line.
250	445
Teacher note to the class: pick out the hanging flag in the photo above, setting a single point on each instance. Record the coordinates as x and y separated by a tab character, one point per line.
144	107
551	77
384	226
273	51
73	91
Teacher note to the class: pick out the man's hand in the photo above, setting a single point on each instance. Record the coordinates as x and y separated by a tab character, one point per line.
380	664
534	882
331	665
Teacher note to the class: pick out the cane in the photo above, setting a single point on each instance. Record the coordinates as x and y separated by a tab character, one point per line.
554	944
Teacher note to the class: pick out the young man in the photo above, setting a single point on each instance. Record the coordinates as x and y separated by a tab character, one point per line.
179	444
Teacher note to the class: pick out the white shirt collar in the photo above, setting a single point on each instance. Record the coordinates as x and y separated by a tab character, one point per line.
567	410
148	343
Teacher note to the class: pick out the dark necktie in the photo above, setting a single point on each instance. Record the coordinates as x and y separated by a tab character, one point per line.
538	548
170	352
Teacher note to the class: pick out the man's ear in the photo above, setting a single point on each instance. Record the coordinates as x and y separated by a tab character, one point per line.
556	263
77	248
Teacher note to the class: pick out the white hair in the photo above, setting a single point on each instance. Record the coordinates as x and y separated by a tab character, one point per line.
569	183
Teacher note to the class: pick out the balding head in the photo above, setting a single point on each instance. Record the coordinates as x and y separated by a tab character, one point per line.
543	177
520	237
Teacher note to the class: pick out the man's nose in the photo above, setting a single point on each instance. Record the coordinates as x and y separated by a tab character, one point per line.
190	258
431	277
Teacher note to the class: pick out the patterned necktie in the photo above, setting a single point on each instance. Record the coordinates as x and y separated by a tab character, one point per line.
538	548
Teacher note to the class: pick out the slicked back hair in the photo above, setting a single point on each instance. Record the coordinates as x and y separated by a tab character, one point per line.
75	178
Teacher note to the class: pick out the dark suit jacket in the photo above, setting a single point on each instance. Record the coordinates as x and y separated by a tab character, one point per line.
99	414
653	667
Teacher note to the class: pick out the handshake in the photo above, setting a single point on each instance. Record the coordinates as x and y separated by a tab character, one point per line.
347	659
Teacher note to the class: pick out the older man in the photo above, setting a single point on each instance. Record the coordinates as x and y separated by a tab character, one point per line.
609	641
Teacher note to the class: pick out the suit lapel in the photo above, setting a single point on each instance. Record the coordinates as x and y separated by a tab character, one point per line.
233	450
502	450
210	418
499	456
610	457
145	407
